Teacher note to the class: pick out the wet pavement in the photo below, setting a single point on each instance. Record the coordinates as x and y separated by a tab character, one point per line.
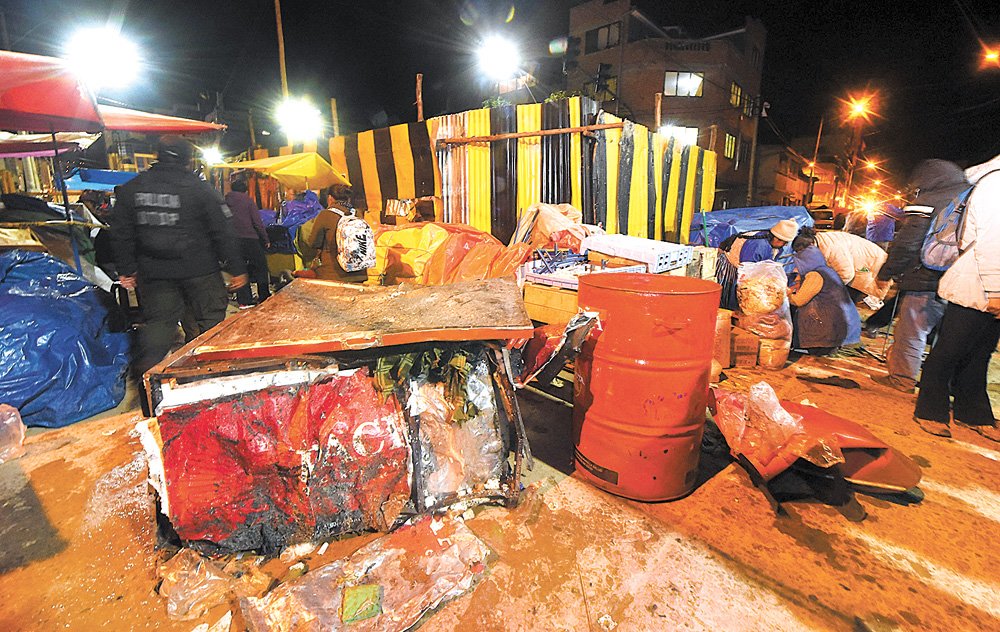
77	531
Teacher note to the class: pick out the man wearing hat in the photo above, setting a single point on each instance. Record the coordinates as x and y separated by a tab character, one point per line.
172	233
765	245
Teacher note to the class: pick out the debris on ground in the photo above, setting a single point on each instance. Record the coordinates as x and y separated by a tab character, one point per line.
11	433
192	585
389	584
338	409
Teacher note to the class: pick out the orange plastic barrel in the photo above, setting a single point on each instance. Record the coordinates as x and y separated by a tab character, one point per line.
641	386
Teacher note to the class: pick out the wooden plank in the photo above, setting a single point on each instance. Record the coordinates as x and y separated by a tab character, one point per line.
311	316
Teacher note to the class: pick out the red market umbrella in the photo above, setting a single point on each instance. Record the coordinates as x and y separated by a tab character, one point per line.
40	94
126	120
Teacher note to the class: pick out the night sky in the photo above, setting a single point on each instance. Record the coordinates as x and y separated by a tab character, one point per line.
921	56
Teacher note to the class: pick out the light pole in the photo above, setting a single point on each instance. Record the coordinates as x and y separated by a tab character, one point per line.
858	111
812	165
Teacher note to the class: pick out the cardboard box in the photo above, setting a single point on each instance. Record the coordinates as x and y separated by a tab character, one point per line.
723	352
746	346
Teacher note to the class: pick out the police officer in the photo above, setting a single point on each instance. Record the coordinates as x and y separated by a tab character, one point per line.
170	232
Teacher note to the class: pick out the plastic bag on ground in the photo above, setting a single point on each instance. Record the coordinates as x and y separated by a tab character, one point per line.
11	433
757	427
413	570
192	585
59	360
456	458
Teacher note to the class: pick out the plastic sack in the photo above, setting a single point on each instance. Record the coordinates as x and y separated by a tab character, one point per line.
761	287
400	577
776	325
11	434
757	427
456	458
59	360
355	244
192	585
552	226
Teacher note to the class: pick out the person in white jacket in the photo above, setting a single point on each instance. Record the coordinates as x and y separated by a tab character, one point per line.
970	329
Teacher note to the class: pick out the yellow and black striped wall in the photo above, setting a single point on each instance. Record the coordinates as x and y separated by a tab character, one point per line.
630	180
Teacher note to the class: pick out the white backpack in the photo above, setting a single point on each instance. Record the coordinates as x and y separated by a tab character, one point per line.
355	242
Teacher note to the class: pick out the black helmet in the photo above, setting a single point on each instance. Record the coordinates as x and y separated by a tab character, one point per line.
174	150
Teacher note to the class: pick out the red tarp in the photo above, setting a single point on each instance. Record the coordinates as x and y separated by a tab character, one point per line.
126	120
40	94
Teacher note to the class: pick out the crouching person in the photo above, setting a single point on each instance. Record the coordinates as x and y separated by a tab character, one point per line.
824	317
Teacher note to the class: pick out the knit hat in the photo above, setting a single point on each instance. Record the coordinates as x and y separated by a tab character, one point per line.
785	230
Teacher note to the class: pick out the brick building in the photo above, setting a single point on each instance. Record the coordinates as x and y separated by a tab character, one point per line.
710	85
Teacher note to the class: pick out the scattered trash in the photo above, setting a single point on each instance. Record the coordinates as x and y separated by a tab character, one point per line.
758	428
222	625
794	447
607	623
326	426
11	433
192	585
361	602
832	380
323	548
295	551
413	569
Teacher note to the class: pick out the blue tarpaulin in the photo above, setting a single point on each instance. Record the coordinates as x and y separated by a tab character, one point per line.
59	360
98	179
721	224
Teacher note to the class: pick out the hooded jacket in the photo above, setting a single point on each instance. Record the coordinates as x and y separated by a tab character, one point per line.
975	277
939	182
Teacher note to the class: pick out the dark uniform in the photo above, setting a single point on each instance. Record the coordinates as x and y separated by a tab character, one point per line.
172	229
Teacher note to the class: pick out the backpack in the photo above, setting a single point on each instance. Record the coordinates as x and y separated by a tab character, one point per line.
355	243
940	248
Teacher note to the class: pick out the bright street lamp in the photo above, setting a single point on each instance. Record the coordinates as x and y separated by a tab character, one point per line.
102	58
499	58
211	156
299	120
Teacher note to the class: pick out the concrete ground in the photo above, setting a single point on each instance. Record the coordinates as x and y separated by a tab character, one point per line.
77	537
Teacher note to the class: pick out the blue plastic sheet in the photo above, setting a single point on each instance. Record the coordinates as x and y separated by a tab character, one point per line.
721	224
59	360
293	215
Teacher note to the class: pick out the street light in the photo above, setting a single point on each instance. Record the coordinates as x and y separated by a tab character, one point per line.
991	57
102	58
299	119
211	156
499	58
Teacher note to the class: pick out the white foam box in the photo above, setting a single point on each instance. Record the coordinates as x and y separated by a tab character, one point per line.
659	256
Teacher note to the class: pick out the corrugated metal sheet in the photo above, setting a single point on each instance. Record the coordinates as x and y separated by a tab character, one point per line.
629	180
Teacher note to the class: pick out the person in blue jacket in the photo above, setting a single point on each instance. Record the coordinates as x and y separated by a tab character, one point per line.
765	245
824	317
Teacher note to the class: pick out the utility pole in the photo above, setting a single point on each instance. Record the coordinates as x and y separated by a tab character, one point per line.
622	38
812	170
855	147
420	97
757	111
336	117
4	36
281	49
657	110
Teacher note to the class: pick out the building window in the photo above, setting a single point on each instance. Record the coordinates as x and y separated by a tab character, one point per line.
684	135
607	36
755	57
735	95
742	155
591	90
730	146
748	106
682	84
